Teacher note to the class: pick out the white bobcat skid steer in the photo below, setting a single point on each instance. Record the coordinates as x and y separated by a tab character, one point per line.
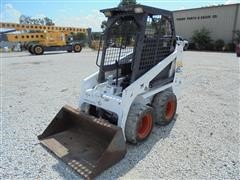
134	88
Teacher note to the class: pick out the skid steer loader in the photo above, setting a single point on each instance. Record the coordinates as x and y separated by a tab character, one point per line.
135	87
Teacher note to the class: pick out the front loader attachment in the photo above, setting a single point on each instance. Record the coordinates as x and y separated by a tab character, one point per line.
86	143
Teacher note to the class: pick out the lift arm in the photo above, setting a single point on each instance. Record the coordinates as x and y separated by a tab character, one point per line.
47	35
25	37
19	27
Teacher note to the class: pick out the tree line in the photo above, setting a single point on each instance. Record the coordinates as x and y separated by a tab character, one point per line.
37	21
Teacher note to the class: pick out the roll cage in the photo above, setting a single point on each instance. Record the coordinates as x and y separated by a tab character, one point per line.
136	39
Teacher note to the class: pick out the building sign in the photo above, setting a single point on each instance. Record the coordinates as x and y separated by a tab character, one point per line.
196	17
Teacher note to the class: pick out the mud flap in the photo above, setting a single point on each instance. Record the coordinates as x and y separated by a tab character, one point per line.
88	144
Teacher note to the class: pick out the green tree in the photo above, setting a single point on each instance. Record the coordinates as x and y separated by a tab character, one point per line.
24	19
201	39
127	2
48	21
38	21
219	45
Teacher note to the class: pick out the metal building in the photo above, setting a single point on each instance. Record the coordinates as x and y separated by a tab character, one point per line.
222	21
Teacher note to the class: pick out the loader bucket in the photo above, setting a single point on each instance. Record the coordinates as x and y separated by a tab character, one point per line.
86	143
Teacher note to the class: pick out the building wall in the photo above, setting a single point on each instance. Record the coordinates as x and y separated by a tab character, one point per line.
238	18
219	20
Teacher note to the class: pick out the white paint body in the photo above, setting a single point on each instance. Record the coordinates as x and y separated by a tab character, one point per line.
112	98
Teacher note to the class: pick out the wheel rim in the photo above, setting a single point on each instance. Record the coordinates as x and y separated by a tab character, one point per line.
38	50
170	109
145	126
77	48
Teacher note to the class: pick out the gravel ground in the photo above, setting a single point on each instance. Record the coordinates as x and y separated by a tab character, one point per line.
203	142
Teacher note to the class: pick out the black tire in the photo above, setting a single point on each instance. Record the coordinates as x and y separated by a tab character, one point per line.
37	49
25	46
30	49
69	51
164	107
139	123
77	48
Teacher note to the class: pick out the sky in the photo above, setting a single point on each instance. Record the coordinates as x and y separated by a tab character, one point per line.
85	13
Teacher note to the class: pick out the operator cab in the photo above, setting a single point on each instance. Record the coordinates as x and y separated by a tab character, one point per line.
137	38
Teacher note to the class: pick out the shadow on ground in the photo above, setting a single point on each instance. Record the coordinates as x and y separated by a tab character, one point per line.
126	164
